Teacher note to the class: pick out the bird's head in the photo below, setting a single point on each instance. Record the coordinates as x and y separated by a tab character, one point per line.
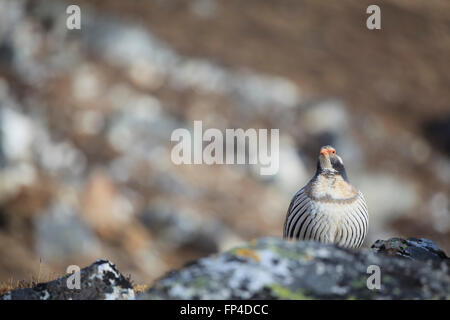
330	163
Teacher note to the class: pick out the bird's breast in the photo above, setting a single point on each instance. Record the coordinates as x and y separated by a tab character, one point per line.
331	188
343	222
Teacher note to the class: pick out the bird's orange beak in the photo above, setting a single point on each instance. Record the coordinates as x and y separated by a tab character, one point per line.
324	152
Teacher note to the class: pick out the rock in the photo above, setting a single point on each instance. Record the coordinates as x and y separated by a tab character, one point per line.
260	92
315	123
61	234
293	172
271	268
204	8
438	132
439	205
182	231
392	195
187	229
17	133
414	249
99	281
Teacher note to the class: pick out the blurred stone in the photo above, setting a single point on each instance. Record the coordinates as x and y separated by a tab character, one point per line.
138	125
438	132
387	197
14	177
99	281
103	207
270	268
292	173
440	211
57	157
204	8
87	83
59	235
175	184
90	122
257	91
325	116
420	150
16	133
441	169
414	249
181	228
146	75
263	92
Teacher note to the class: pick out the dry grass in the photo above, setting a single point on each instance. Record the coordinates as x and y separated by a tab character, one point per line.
35	279
15	284
139	288
12	284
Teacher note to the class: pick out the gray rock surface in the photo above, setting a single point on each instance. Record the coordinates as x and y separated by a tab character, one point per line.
414	249
270	268
99	281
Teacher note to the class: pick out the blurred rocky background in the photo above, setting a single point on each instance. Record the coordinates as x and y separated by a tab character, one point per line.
86	118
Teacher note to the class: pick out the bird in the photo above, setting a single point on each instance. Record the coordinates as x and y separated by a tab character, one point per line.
328	208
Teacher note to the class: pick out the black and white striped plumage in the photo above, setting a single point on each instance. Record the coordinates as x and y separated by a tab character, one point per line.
328	209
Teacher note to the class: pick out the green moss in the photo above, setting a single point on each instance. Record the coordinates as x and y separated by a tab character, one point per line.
283	253
285	293
359	284
199	282
286	253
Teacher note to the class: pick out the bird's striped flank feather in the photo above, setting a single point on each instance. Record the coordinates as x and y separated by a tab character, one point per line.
344	223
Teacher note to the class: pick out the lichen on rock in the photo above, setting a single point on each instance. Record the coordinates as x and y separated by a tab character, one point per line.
271	268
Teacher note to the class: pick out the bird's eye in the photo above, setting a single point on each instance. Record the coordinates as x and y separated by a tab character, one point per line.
333	151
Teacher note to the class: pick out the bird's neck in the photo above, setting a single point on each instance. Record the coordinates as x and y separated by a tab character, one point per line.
330	173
